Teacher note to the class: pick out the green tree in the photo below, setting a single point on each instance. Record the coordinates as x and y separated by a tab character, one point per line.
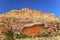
9	35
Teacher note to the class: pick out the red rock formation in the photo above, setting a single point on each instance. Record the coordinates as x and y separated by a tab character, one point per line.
20	18
33	30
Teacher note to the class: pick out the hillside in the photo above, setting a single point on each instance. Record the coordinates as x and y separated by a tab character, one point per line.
29	22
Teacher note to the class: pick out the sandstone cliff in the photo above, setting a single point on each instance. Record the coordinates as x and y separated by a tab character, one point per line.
25	20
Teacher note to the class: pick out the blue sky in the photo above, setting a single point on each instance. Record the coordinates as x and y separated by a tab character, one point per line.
49	6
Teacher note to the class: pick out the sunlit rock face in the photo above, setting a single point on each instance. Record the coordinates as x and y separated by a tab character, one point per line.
30	15
26	21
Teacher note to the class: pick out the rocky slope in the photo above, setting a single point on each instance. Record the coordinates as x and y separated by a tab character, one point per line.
29	22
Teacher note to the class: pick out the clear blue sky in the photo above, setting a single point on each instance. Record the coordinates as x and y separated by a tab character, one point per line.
50	6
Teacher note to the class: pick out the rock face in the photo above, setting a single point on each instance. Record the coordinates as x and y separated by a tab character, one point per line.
29	22
33	30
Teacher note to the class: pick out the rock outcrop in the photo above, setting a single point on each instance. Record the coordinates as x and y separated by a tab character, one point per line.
29	22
